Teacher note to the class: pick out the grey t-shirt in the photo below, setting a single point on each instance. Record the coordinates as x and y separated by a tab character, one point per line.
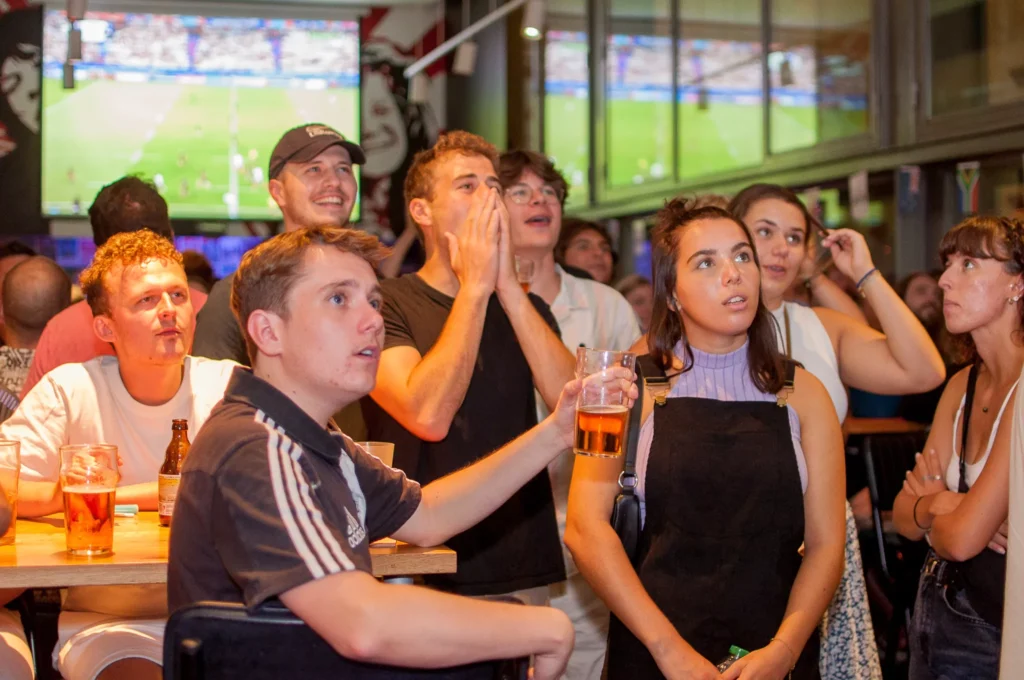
218	335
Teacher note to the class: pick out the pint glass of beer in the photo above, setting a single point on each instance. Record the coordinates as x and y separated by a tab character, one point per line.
10	468
88	478
601	408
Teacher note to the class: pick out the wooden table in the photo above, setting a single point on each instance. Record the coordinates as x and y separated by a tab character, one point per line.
39	559
864	426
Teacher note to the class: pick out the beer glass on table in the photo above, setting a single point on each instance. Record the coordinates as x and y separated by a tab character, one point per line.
88	478
10	468
602	407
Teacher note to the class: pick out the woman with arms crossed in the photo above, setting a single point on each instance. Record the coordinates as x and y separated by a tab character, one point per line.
732	483
956	632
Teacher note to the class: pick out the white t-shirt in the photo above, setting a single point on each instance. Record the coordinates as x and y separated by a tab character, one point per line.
88	404
589	314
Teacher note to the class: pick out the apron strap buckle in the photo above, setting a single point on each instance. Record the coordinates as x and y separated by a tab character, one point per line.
658	388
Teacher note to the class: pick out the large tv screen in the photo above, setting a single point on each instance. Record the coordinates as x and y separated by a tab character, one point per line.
193	103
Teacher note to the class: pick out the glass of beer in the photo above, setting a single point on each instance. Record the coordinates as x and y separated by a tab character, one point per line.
602	407
10	468
524	273
88	478
383	451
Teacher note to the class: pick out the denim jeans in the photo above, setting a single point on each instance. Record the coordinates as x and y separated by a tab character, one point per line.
948	639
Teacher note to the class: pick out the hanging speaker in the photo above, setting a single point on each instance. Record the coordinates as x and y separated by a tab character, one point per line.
76	9
69	76
464	61
75	44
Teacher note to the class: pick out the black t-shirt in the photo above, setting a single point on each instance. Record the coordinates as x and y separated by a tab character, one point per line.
218	335
270	500
517	546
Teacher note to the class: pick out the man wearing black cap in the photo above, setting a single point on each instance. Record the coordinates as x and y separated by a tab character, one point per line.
312	182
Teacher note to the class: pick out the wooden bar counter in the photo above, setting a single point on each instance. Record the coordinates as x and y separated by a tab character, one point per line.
39	559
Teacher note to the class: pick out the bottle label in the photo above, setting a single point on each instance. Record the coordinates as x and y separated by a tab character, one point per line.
167	492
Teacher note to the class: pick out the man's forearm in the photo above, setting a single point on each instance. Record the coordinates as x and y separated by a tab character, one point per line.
416	627
550	362
144	495
438	384
460	500
36	499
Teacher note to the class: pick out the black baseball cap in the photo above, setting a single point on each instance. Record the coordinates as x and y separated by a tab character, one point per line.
304	143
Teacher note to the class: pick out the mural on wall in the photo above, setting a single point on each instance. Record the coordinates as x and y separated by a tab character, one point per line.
393	128
21	38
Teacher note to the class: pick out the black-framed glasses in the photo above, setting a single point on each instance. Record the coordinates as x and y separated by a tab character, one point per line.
521	194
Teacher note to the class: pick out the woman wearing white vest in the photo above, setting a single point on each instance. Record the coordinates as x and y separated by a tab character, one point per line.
837	349
841	352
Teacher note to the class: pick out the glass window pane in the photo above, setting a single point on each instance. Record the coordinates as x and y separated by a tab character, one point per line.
820	65
638	113
567	96
977	58
721	94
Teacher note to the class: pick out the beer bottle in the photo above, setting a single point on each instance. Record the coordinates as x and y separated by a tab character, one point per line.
170	471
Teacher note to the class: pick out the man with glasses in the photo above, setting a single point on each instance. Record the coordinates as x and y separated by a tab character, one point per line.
589	314
464	348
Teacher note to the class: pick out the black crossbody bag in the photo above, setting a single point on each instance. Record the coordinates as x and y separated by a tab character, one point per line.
626	511
983	576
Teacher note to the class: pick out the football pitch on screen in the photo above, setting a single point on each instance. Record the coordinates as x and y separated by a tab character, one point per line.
201	144
717	139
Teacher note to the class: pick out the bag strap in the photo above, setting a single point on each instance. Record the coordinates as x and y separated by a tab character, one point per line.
972	382
644	366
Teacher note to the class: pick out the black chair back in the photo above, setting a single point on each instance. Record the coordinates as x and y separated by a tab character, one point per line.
222	641
887	458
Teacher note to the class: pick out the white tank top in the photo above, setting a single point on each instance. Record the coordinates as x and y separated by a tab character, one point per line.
813	349
973	469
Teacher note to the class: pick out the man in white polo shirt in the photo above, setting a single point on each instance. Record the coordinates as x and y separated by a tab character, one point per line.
139	295
589	314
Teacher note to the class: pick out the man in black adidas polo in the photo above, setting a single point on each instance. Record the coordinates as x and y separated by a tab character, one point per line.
274	503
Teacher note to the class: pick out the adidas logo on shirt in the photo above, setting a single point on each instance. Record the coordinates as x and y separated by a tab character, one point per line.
356	532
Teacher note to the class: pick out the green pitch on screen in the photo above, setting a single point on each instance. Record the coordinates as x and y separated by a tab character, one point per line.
717	139
188	134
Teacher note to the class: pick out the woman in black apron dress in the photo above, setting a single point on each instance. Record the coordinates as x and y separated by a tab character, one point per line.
738	467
